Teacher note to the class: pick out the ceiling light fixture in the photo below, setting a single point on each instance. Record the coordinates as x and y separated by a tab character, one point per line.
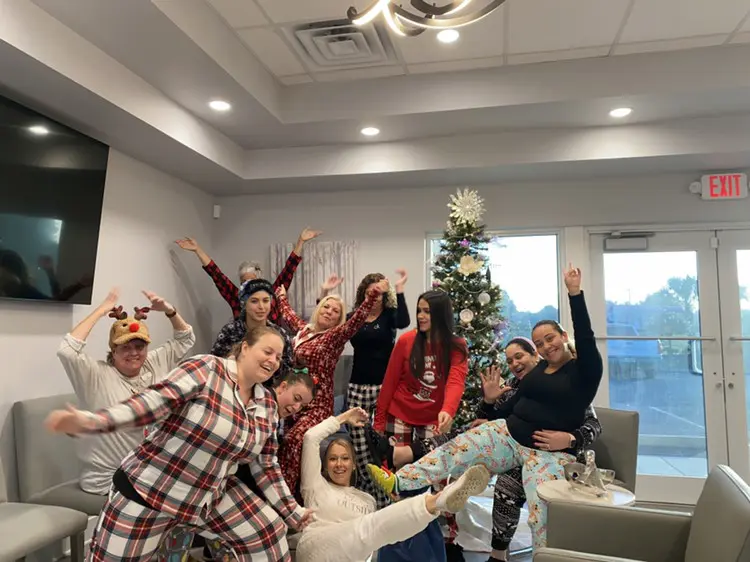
448	36
370	131
409	23
620	112
39	130
219	105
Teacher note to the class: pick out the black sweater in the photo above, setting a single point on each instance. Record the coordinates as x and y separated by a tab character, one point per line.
374	342
557	401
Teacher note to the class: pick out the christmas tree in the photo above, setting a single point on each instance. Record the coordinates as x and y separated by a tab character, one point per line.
462	270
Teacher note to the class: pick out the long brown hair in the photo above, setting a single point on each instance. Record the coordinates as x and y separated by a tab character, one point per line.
389	297
443	341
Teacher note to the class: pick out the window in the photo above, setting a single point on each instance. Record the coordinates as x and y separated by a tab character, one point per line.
526	267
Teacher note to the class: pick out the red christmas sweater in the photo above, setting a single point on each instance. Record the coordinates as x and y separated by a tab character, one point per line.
418	401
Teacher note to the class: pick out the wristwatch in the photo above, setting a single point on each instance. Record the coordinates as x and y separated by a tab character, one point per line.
572	442
171	314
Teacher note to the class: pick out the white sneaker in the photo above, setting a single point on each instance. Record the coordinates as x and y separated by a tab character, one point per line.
471	483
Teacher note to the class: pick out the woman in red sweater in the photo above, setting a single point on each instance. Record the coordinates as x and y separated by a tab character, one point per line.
425	378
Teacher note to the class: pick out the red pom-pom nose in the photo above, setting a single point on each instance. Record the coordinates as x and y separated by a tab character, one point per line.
134	327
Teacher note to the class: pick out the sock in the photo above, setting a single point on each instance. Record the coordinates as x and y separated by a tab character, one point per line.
383	478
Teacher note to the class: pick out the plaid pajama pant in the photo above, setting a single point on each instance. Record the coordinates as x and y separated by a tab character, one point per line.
364	396
128	531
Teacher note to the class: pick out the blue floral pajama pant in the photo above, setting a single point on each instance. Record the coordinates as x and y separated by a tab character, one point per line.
490	444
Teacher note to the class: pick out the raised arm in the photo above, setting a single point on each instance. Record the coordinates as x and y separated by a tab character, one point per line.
391	380
227	289
290	317
151	405
311	476
341	334
402	311
267	474
286	275
588	360
79	366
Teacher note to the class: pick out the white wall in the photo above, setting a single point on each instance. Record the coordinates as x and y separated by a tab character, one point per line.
144	212
391	224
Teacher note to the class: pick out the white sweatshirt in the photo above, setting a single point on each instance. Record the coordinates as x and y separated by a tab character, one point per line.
331	503
99	385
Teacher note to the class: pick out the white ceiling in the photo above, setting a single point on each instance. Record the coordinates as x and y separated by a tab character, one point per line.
520	95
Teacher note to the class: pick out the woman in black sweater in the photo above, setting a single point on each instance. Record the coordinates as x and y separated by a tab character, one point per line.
373	344
553	396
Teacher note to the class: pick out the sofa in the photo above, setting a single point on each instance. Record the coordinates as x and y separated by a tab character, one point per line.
718	529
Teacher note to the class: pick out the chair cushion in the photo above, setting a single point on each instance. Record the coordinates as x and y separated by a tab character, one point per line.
26	528
70	495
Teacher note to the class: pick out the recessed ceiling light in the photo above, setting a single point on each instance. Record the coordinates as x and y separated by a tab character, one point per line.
39	130
448	36
219	105
370	131
620	112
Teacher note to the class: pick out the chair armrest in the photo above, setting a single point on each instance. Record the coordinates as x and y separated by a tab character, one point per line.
630	532
558	555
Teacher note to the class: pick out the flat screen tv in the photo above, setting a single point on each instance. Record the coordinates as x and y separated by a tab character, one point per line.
51	192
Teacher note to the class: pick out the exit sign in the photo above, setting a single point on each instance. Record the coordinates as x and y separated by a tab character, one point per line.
724	186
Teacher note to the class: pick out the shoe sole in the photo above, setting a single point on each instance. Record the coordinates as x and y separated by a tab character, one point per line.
475	481
379	481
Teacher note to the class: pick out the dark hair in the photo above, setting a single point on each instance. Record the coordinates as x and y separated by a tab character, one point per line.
367	280
344	442
252	337
524	344
554	323
443	341
297	374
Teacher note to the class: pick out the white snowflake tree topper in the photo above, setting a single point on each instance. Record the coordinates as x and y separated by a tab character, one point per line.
466	207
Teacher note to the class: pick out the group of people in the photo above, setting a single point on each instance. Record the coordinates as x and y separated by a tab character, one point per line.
197	447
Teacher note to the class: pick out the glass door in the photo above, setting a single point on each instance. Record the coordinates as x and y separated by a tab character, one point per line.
734	286
656	315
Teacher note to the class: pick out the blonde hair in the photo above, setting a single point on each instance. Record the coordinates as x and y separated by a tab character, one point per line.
349	446
316	312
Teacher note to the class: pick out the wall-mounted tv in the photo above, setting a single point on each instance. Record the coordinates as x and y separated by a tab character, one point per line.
51	191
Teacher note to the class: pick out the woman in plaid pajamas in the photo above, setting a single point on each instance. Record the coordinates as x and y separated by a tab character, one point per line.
555	394
319	344
347	526
521	357
212	413
373	344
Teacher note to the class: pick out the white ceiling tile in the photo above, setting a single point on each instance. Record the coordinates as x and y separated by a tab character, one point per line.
296	79
552	25
359	74
481	39
272	51
655	20
551	56
669	45
455	66
284	11
239	13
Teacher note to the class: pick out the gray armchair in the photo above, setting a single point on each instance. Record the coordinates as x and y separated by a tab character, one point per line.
26	528
48	468
718	530
617	448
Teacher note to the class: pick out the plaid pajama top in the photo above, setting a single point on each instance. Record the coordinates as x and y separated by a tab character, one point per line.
181	468
231	293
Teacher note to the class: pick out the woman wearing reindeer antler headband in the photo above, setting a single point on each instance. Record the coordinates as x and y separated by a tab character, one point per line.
130	367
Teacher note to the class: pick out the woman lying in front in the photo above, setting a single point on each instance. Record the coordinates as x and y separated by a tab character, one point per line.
553	396
214	413
346	527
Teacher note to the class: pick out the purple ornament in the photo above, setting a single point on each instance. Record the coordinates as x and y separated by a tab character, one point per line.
436	284
464	243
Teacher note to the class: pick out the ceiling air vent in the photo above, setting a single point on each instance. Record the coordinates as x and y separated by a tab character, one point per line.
334	45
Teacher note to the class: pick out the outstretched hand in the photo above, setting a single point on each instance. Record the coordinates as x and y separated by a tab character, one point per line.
71	421
188	244
493	386
445	422
307	518
403	277
356	417
111	300
572	277
158	304
380	287
308	234
281	291
332	282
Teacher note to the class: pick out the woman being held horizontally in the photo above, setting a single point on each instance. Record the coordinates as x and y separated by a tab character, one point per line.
347	527
521	357
553	396
212	413
319	344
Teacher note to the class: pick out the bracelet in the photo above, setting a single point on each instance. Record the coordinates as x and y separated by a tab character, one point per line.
171	314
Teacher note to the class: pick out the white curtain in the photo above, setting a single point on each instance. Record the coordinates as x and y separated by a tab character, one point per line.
319	260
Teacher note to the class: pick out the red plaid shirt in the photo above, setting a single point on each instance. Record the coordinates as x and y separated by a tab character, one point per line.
182	467
231	293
